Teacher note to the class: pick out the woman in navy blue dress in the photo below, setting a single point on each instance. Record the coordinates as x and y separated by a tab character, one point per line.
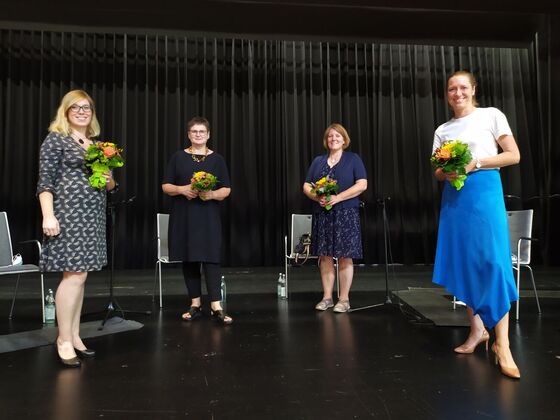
195	229
336	232
473	257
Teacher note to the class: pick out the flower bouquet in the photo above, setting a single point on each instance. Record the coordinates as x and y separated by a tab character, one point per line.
203	181
100	158
453	156
325	187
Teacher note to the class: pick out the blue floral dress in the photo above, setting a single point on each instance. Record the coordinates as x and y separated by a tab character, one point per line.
337	232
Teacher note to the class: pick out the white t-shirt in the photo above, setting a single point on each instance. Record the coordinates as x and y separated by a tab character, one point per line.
480	130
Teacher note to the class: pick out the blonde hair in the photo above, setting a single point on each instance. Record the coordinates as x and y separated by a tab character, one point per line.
340	130
60	123
471	78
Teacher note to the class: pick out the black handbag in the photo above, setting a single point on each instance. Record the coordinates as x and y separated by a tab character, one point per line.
303	247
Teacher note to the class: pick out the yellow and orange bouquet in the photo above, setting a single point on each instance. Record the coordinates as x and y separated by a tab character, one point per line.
325	187
453	156
203	181
100	158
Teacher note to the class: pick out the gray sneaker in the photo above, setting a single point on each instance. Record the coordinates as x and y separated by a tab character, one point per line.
324	305
342	306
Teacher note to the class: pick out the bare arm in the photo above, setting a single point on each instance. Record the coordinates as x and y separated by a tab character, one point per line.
185	190
508	156
307	191
218	194
355	190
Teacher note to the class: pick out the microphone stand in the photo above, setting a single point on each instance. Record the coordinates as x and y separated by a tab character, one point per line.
386	241
113	305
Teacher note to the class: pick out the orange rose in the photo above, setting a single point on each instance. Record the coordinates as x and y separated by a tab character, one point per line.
443	154
109	151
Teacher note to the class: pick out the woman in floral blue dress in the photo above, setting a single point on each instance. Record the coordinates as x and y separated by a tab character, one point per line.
336	232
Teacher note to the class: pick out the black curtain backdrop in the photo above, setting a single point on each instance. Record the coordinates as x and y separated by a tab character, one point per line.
268	103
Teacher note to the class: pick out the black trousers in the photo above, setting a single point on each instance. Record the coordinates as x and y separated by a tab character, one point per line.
212	275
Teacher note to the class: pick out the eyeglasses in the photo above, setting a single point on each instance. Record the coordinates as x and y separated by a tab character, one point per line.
84	108
195	132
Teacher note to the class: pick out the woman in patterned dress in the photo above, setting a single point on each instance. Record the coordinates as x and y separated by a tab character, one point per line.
73	216
336	232
195	228
473	257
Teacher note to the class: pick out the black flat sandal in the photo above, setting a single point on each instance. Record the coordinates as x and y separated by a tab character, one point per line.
221	316
192	314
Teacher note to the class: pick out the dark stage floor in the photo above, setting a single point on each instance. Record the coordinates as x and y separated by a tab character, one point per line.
281	359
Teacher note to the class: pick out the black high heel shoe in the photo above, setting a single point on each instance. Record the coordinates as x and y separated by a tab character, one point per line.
72	362
85	353
220	316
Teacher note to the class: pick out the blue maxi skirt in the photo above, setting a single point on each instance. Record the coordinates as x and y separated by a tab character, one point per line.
473	256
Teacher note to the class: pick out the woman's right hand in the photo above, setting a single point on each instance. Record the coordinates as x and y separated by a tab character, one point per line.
188	192
50	226
445	176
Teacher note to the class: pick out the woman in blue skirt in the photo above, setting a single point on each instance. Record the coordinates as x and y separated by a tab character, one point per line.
336	220
473	257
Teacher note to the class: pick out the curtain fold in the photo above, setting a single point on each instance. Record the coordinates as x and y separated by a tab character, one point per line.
268	103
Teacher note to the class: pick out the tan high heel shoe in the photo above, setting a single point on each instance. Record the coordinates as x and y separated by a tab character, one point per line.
509	371
463	349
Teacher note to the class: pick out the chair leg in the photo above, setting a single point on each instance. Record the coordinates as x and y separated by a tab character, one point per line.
157	276
518	269
454	302
14	298
534	288
43	297
155	283
160	290
286	275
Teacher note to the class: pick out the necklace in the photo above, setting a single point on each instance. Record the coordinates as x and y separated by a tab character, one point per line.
333	160
196	158
78	139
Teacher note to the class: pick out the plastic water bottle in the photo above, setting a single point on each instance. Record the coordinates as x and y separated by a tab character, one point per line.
223	290
50	311
279	285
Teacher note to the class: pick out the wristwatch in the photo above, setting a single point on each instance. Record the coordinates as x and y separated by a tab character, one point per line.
478	163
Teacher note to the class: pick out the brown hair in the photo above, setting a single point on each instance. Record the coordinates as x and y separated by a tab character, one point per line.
471	78
340	130
198	121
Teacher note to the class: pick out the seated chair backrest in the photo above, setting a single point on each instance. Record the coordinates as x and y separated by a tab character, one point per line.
162	226
5	241
520	224
301	223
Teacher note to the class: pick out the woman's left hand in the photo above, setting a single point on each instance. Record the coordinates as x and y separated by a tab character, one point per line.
471	166
206	195
330	202
110	182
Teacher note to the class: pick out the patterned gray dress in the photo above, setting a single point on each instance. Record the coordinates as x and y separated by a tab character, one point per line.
79	208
